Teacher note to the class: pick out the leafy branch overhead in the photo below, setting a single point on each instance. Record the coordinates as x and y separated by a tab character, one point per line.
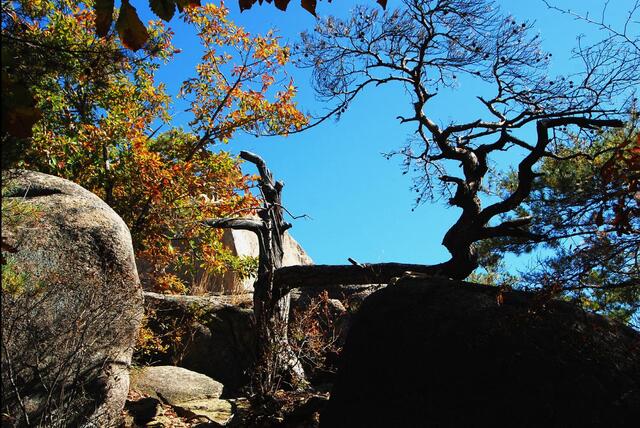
133	33
106	125
130	28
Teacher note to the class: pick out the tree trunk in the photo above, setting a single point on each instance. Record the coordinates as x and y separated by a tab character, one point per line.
328	276
276	362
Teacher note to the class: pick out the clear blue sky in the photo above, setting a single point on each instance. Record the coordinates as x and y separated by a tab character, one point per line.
360	203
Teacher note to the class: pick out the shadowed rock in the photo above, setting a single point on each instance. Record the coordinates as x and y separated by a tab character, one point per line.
445	353
218	335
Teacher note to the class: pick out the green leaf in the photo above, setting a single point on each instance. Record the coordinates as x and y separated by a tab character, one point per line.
163	8
104	16
282	4
309	6
131	30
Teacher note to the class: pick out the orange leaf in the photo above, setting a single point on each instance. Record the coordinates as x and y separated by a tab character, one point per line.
131	30
182	4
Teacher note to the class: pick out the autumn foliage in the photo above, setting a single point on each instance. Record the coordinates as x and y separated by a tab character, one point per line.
622	170
107	125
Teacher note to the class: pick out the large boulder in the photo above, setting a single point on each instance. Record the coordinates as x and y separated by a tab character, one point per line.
191	394
212	335
240	243
435	352
71	304
244	243
174	384
215	335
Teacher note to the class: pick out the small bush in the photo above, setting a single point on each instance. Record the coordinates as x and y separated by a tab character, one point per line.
316	336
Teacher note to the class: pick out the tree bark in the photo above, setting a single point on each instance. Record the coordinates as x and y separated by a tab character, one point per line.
327	276
276	361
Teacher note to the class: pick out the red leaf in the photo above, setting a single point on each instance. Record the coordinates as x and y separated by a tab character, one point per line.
382	3
309	6
104	16
131	30
607	170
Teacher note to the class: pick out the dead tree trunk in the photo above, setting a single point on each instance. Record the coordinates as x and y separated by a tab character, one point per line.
276	361
328	276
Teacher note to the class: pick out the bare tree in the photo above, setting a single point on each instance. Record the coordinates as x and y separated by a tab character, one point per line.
427	47
276	360
431	46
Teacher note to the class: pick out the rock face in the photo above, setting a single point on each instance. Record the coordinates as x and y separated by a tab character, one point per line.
71	304
240	243
218	334
245	243
446	353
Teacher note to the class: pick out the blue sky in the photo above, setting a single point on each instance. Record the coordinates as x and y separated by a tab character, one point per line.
359	202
